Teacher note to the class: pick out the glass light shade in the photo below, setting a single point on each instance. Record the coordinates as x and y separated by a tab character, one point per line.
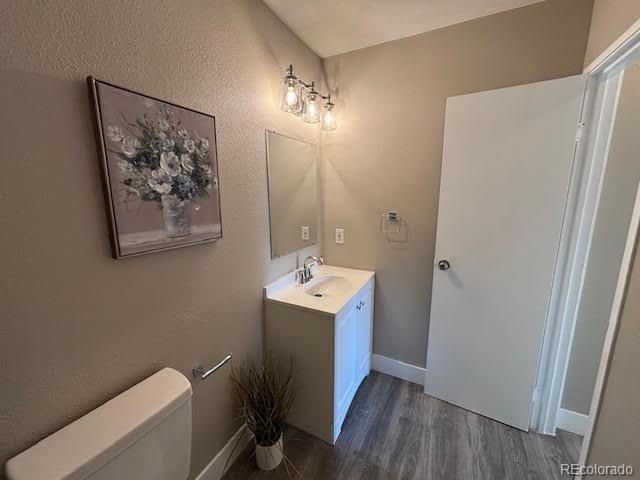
301	103
311	108
329	117
290	98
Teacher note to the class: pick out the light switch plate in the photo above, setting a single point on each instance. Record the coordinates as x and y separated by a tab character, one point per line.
340	235
304	232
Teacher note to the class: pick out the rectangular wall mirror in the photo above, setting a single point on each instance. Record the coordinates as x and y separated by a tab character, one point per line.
293	193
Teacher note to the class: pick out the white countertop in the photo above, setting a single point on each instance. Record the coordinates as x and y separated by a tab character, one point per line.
286	291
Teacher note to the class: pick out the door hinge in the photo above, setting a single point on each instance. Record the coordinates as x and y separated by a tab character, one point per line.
581	126
536	395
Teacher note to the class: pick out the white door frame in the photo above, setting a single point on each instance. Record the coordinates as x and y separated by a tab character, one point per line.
604	79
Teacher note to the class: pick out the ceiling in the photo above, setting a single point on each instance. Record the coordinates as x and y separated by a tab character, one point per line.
331	27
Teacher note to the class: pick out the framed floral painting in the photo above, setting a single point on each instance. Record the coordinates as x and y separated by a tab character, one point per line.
160	171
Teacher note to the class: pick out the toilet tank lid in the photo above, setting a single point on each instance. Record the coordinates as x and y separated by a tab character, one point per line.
85	445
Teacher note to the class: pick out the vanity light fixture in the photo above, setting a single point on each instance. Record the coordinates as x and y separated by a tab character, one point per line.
302	99
329	115
290	99
311	106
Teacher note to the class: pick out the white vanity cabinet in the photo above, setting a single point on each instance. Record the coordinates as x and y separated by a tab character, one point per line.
353	344
330	346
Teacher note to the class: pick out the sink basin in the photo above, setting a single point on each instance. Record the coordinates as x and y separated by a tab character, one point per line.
328	292
328	285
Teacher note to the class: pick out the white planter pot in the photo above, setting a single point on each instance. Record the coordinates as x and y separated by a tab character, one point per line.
269	458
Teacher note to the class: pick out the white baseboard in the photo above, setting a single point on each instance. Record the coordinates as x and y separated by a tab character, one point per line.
572	421
216	467
398	369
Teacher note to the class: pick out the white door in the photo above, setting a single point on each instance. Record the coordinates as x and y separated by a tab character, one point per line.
506	165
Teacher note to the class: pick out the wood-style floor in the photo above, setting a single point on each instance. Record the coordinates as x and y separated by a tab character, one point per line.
393	431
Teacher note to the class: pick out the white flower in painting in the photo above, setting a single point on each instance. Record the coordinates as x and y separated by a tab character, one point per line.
160	187
203	147
115	133
170	164
186	162
160	181
159	174
183	133
130	146
189	145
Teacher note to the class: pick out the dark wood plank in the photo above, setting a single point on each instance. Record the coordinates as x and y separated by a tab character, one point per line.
395	432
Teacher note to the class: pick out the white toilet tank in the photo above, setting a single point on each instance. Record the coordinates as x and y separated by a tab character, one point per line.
142	434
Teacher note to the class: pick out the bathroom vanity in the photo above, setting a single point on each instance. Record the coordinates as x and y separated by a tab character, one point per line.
325	328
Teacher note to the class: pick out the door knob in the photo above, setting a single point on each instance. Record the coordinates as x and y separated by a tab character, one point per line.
443	265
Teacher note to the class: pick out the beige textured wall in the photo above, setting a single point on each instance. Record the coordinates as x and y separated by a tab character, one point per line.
609	20
77	327
386	153
615	437
612	225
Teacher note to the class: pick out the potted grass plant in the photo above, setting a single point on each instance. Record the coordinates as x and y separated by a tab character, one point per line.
265	399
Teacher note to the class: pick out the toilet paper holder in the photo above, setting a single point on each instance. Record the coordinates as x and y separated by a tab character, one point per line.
199	370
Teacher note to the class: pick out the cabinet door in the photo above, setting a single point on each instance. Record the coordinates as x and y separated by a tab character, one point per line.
346	362
365	321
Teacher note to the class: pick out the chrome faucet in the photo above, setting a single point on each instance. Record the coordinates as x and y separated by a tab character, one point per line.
304	275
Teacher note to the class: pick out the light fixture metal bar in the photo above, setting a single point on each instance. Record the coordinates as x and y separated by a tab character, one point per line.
307	85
